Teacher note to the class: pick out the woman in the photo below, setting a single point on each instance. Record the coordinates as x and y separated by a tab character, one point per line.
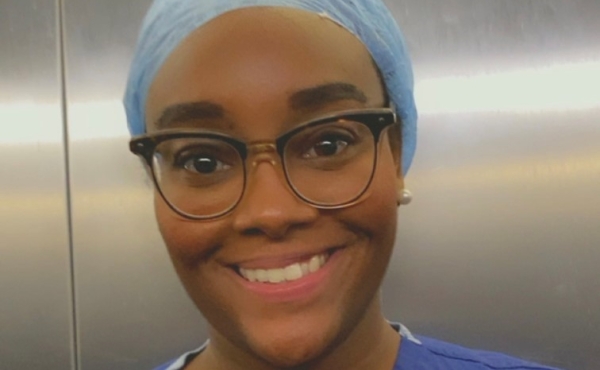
272	131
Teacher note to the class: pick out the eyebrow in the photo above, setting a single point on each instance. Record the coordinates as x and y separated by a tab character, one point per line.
312	98
317	97
181	113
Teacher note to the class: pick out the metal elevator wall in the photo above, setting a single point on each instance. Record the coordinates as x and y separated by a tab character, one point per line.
499	250
35	274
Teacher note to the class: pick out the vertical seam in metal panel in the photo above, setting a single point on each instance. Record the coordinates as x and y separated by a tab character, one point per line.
75	358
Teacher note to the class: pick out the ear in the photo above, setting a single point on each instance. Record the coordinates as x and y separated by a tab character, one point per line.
399	182
403	195
399	190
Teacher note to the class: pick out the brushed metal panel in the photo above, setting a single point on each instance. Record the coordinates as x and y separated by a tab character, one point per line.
35	279
132	312
498	249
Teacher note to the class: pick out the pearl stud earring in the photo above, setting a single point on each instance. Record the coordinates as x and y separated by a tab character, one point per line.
404	197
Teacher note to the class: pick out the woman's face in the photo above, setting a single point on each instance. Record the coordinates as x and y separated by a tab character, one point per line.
247	66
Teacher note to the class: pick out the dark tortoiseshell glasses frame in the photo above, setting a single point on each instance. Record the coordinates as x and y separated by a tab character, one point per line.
375	119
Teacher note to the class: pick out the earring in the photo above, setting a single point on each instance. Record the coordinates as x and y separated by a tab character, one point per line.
404	197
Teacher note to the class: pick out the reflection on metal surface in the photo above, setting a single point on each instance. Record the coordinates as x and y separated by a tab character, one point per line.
29	123
491	253
556	88
35	303
101	119
522	172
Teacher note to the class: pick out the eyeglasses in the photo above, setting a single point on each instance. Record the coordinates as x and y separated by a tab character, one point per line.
328	162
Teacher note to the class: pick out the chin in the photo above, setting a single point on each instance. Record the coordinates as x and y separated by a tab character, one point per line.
291	352
292	344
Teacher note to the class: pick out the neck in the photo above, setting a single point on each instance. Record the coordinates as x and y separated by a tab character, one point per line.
371	344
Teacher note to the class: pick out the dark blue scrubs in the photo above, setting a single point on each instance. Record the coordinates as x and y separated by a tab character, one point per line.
421	353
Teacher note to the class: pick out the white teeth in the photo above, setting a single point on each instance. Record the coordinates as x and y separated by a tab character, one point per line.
314	264
289	273
305	269
276	276
293	272
261	275
251	275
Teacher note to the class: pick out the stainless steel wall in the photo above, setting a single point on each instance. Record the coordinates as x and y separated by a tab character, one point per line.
501	246
131	311
35	274
498	250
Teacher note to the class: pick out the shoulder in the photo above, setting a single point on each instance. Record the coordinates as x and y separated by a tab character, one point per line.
182	361
430	353
176	364
164	366
423	353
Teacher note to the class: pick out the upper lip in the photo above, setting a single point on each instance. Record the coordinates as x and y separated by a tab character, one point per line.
278	261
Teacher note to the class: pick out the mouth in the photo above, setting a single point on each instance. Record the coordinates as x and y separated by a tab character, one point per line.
292	272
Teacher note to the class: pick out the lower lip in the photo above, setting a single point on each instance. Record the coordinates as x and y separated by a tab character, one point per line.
297	290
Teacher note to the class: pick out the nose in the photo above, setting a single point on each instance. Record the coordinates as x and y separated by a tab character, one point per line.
269	206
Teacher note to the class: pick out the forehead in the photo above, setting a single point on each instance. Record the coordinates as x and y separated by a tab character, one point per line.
256	56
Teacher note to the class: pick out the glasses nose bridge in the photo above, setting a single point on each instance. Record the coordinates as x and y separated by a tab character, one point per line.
263	151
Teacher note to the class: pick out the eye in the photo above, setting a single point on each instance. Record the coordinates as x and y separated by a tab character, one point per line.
205	158
198	162
204	164
327	145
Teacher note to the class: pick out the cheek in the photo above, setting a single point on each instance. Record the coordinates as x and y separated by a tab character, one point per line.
381	217
376	219
189	242
380	209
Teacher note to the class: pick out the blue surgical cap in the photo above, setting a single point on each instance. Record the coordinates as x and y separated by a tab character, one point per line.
168	22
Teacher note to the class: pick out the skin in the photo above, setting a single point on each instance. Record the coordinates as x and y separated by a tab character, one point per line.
250	62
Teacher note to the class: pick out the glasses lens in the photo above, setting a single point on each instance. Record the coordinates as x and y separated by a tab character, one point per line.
332	163
199	177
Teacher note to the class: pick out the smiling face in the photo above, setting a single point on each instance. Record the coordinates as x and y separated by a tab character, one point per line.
254	74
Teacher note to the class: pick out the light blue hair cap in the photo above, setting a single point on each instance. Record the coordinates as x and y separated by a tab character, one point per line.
168	22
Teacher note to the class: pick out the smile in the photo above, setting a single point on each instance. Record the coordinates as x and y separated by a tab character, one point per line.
288	273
